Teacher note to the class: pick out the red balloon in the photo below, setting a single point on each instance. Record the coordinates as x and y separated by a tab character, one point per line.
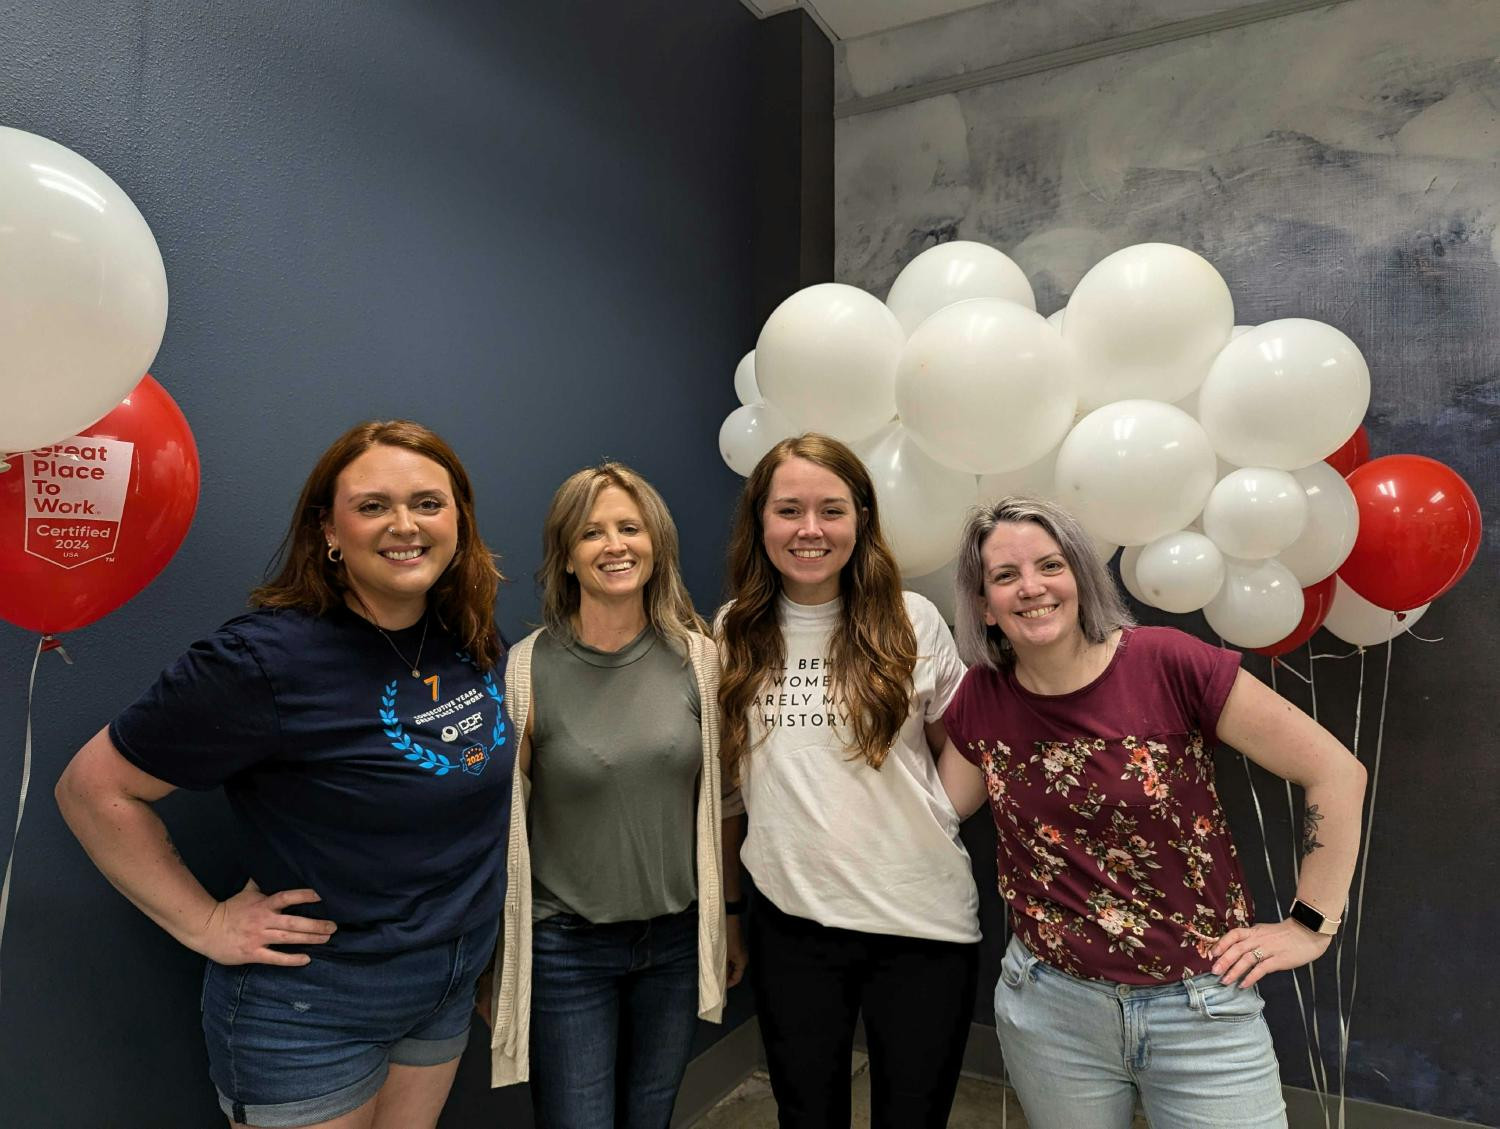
1354	453
89	521
1316	601
1419	529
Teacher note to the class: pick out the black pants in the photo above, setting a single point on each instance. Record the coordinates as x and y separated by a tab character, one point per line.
811	982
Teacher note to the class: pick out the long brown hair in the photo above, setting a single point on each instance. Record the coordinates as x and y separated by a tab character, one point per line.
463	597
669	608
873	650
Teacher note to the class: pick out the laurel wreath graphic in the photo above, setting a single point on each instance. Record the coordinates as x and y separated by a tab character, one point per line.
435	763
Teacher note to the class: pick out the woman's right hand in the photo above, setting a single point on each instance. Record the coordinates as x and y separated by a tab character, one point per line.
241	929
738	956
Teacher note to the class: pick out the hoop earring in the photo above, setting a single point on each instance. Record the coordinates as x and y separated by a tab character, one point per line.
335	554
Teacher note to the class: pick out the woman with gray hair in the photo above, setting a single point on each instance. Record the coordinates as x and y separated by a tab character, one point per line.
1133	963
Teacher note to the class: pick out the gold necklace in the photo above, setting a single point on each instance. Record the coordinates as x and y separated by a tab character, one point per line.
416	667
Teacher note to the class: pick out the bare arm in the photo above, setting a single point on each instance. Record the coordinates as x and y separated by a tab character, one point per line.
106	801
961	778
1282	739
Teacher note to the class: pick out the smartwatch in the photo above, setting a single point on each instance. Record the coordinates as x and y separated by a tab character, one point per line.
1304	914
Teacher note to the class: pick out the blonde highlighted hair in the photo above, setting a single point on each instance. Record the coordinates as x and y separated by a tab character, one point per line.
669	608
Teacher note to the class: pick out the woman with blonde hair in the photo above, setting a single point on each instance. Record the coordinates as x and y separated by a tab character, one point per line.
355	722
613	945
1131	973
834	685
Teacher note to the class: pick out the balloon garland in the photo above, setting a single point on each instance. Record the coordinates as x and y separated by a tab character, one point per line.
1232	458
1229	461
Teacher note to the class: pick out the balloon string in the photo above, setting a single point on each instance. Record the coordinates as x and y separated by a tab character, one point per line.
10	858
1289	668
1338	950
1320	1085
1424	638
1364	872
1265	844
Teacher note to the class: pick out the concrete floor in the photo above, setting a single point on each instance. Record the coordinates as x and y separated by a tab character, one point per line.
980	1104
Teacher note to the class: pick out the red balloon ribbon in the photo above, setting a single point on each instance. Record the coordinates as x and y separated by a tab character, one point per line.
1316	601
89	521
1419	530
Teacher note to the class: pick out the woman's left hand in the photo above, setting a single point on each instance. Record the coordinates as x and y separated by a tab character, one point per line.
1247	955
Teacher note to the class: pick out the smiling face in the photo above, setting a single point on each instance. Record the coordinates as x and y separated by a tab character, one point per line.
395	521
612	556
808	527
1029	591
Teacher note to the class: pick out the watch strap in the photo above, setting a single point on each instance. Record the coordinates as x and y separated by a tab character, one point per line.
1304	914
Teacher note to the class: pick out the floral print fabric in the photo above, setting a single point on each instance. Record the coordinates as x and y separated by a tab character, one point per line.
1113	850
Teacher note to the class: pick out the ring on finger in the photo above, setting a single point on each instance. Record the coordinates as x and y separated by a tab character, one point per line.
1258	954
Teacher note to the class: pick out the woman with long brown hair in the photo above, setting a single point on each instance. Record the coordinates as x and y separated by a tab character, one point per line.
355	721
834	686
614	925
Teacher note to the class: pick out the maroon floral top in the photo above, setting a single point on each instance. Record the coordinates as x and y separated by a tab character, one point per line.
1113	852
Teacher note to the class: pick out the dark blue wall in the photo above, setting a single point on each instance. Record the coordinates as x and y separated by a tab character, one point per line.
526	225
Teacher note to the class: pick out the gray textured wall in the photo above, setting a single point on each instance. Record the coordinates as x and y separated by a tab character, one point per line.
1343	165
527	225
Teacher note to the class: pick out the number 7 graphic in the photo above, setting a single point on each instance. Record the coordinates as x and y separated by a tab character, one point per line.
433	682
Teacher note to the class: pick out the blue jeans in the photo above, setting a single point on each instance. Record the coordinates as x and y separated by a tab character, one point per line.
1078	1051
614	1008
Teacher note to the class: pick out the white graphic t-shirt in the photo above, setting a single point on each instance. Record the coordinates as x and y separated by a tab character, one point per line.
832	839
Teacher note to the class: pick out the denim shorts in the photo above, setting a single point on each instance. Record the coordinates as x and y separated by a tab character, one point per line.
296	1046
1196	1052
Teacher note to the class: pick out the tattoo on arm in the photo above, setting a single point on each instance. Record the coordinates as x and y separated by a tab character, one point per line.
1311	817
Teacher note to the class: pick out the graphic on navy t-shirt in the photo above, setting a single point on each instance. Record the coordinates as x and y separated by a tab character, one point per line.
472	759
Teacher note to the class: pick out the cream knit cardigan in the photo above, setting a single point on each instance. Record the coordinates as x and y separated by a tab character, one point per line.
510	1000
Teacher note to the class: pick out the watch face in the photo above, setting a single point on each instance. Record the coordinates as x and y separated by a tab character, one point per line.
1304	914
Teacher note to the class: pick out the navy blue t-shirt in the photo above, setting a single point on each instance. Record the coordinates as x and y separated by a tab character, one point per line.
387	794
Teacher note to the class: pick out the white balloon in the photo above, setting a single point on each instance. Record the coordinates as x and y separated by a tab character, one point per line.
938	587
1104	550
1259	604
1180	572
1355	620
83	293
1284	395
923	504
1133	471
826	358
986	386
1332	524
748	432
744	380
1129	577
1035	480
1255	513
1147	322
952	272
1240	331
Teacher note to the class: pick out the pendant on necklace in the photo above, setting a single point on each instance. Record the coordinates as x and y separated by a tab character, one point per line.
415	673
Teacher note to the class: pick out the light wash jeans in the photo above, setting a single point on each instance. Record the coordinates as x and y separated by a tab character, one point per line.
1078	1052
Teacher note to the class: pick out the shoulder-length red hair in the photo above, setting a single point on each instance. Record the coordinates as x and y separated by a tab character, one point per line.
463	597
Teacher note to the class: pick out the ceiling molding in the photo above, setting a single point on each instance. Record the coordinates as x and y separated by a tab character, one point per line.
1071	56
